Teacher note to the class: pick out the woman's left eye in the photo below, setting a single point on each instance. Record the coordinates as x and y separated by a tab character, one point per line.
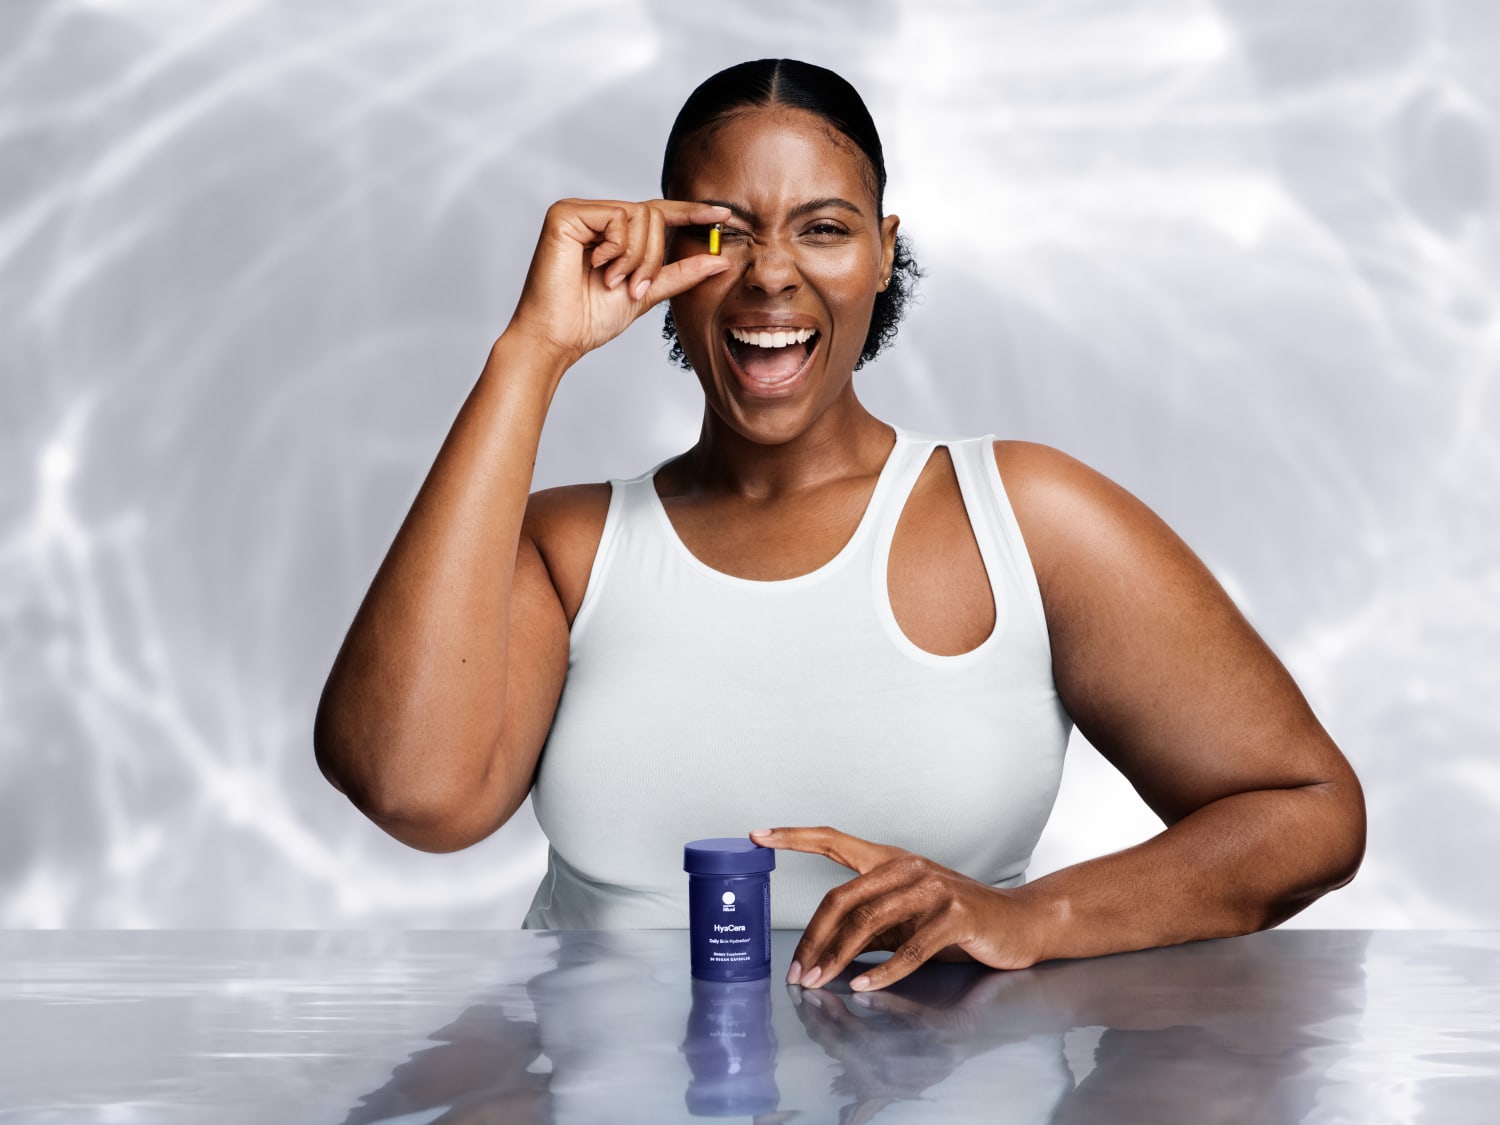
826	230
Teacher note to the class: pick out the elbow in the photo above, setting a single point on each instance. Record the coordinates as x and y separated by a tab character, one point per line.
334	750
1338	822
1333	848
1351	830
426	817
422	811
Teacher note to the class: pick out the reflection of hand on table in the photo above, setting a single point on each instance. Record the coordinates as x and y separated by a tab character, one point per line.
893	1045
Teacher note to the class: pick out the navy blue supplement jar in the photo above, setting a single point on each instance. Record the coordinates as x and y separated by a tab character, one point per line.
729	908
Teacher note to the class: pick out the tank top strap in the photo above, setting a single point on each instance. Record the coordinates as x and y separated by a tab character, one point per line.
637	497
908	459
627	518
994	522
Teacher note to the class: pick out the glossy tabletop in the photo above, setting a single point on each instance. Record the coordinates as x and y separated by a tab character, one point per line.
512	1026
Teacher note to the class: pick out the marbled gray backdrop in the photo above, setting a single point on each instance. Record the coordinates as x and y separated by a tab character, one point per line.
1240	255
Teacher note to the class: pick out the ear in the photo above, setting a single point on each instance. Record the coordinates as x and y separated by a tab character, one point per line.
888	227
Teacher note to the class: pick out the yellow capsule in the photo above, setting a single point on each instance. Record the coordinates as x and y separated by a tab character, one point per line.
713	239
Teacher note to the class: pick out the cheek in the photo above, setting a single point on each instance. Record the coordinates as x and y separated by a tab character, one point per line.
847	284
692	310
848	274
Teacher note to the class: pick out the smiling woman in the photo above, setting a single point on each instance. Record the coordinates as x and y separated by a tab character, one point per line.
812	616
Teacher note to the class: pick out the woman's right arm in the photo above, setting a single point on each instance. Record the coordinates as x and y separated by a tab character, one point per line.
434	715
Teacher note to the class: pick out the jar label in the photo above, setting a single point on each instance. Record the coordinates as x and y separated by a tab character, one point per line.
731	924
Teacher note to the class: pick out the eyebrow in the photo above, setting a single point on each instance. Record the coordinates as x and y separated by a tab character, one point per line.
827	203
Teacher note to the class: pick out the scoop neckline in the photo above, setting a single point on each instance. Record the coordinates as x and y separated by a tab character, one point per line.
862	530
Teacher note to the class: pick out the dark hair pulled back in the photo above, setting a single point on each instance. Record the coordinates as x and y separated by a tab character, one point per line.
766	83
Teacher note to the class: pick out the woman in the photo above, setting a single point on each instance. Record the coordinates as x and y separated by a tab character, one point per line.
812	617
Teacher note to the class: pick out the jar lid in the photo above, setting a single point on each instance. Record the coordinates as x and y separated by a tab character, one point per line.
727	855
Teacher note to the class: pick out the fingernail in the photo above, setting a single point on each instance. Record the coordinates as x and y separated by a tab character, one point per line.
794	974
813	998
642	287
812	976
862	1001
764	832
859	984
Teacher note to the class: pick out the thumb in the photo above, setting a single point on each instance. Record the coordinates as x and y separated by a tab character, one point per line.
680	276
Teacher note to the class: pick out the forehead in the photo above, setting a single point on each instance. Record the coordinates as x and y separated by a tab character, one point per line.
774	152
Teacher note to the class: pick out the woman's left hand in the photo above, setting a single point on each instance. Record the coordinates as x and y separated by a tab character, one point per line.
903	902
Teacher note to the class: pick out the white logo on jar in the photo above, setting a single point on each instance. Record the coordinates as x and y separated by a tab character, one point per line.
728	900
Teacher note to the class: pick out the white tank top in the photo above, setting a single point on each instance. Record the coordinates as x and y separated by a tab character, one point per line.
701	704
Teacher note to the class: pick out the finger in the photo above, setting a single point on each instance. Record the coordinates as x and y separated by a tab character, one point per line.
852	852
853	928
681	275
851	917
637	241
656	250
602	224
686	213
913	953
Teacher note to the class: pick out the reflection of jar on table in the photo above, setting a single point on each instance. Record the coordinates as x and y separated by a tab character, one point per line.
731	1049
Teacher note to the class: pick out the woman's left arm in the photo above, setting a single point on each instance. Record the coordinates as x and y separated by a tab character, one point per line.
1170	683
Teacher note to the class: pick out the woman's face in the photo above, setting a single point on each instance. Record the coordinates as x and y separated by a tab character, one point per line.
774	339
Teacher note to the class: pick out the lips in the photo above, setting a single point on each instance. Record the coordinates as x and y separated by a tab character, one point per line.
768	359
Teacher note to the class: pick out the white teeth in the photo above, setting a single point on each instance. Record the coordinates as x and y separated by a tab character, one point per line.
778	339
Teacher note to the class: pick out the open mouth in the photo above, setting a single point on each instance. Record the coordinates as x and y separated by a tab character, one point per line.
768	358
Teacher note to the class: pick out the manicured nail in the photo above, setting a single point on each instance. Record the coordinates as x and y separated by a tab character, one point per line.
859	984
811	979
642	287
794	974
764	832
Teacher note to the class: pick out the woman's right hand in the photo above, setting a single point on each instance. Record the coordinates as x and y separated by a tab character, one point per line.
599	264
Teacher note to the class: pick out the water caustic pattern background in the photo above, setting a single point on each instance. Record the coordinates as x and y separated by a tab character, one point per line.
1240	255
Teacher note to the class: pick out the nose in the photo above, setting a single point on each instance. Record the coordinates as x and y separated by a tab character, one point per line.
772	270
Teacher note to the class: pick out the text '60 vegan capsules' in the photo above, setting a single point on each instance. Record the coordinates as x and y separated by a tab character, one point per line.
729	908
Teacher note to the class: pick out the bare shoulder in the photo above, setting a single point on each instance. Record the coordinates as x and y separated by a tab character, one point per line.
1074	518
1100	554
565	524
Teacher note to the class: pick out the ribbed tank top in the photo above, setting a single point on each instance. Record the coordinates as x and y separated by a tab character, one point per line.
702	704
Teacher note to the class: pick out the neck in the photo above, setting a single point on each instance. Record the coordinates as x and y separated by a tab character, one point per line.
845	440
